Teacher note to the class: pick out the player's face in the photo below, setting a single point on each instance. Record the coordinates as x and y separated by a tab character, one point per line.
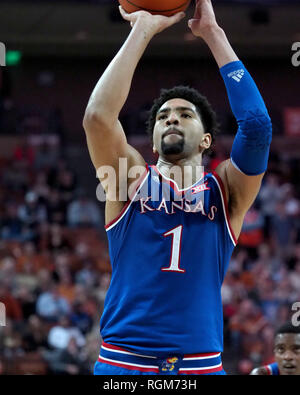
178	130
287	353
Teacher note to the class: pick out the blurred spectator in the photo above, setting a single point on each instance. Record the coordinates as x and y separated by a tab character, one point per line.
12	306
283	231
66	184
35	337
46	156
80	318
101	290
60	335
56	208
24	153
10	340
32	212
51	306
245	325
56	240
66	287
41	187
268	197
84	212
87	275
27	299
67	361
16	177
12	227
294	277
252	234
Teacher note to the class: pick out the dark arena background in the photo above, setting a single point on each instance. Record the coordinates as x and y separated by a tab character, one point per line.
54	262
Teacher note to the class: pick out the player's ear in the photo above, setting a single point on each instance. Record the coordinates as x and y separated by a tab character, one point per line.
154	150
205	141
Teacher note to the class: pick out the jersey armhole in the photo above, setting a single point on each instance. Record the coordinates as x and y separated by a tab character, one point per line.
221	188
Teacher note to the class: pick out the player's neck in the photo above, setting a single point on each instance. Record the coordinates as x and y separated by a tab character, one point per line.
185	172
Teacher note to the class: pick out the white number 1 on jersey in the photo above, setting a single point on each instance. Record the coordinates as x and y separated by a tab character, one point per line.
176	234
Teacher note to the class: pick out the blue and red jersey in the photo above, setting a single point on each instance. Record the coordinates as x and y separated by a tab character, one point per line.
272	369
169	251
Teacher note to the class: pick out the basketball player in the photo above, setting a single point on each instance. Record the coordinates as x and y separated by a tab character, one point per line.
286	353
170	242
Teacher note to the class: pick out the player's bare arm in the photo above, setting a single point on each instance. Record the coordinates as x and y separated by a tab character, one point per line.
105	136
241	188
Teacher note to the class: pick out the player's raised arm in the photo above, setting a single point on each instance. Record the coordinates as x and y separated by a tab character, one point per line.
105	136
243	173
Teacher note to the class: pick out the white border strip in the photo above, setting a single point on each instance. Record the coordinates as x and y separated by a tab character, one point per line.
195	358
128	363
203	368
125	352
132	200
224	210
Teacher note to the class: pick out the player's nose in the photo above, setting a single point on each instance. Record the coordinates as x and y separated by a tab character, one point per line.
288	355
172	119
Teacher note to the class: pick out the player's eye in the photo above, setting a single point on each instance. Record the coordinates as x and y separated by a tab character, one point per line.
185	115
163	116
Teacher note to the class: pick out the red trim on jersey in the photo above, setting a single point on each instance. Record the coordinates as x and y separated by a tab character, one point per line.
129	200
112	347
225	204
129	367
269	370
203	371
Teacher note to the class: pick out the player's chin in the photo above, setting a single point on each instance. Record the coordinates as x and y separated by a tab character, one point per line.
172	149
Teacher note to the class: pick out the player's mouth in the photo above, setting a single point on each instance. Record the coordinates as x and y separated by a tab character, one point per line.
174	131
289	368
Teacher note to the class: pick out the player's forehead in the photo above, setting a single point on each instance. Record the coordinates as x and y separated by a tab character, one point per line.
177	103
287	339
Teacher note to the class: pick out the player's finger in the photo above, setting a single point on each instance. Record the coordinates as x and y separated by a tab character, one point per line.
123	13
177	17
197	12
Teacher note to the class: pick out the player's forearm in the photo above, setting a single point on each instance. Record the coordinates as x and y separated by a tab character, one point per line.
251	145
111	91
219	45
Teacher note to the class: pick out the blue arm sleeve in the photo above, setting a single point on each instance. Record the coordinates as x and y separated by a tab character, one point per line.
250	150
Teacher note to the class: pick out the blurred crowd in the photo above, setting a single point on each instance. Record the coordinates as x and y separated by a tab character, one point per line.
263	280
55	270
54	265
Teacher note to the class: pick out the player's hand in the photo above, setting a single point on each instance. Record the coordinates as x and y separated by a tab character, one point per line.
204	18
157	23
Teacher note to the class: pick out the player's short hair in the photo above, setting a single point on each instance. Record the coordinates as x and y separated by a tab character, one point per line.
204	109
288	327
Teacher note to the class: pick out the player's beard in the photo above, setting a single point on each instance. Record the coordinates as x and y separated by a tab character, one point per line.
172	149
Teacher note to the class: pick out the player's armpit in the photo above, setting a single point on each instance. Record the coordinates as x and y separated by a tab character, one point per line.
241	191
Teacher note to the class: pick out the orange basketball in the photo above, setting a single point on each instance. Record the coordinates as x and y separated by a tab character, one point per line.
162	7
